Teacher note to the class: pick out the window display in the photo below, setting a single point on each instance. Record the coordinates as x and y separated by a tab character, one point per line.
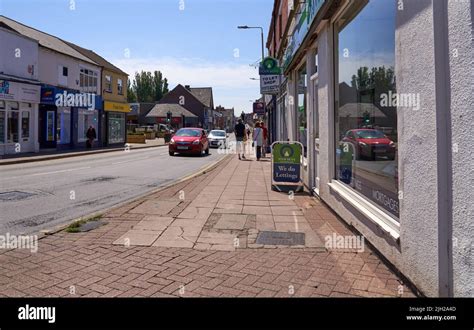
366	124
116	127
25	125
63	125
12	127
86	119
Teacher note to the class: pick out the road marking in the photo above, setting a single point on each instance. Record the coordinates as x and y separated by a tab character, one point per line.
61	171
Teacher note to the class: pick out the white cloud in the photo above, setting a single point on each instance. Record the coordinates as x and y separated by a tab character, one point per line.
230	81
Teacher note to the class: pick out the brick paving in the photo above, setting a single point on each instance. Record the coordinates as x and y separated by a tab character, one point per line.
90	264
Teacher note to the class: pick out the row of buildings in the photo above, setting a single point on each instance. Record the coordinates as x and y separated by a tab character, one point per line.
52	91
381	95
187	106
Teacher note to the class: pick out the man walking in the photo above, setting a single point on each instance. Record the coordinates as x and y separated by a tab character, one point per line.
239	130
91	136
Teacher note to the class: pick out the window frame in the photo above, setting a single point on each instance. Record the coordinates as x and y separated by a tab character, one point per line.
108	83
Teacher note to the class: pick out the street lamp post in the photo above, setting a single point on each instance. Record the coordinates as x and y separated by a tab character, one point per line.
261	34
245	27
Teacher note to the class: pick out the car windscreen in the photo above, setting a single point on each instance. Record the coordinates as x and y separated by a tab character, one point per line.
217	133
188	132
370	134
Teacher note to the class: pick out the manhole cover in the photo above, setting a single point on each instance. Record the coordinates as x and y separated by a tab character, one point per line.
15	195
280	238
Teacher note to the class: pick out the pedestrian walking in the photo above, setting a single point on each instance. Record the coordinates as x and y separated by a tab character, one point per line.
91	136
258	139
240	134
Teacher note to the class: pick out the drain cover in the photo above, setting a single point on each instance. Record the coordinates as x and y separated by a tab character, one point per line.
280	238
10	196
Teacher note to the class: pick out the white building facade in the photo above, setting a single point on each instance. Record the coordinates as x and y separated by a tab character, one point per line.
381	95
19	93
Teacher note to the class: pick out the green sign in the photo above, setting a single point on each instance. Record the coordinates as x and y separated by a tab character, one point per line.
287	153
269	66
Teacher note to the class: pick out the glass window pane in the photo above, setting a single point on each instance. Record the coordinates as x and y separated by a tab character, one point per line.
25	124
116	128
2	126
366	129
302	126
63	126
12	126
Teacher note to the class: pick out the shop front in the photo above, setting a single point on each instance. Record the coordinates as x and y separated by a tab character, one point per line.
65	116
115	118
18	116
380	148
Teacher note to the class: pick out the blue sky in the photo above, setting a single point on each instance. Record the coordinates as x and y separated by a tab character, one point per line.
199	45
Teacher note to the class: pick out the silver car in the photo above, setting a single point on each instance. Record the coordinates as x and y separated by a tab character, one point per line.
217	138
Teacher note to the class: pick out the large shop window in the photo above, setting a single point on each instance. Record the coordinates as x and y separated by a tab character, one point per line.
116	128
13	126
86	119
366	119
2	122
301	119
25	125
63	126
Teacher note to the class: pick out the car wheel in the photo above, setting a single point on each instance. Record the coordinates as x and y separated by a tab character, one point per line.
171	153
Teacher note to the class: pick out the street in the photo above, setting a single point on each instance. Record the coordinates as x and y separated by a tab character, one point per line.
40	195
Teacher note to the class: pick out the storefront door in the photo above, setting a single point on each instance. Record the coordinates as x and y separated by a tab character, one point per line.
47	126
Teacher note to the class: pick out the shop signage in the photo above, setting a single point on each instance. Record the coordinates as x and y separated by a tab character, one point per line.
259	108
303	20
286	166
70	98
116	107
269	66
13	91
269	84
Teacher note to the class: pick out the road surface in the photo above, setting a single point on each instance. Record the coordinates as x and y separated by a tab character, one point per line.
41	195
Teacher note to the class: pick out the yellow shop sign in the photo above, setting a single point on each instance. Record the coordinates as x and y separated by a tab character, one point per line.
115	106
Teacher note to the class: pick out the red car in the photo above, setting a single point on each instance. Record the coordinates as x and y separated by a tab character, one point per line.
371	143
189	140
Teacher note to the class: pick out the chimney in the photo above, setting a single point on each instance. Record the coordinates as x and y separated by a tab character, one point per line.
187	87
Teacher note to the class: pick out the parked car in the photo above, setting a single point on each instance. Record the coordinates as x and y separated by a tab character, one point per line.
217	138
166	128
189	140
370	143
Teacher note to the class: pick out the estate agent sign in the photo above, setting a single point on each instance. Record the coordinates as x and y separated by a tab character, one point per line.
270	74
286	166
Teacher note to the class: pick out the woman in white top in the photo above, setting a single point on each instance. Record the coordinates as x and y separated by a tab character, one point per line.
258	139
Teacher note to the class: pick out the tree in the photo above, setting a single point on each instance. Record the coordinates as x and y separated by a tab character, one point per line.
149	87
131	96
157	85
165	86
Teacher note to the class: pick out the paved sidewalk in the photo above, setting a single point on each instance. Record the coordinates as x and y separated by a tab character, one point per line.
198	238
